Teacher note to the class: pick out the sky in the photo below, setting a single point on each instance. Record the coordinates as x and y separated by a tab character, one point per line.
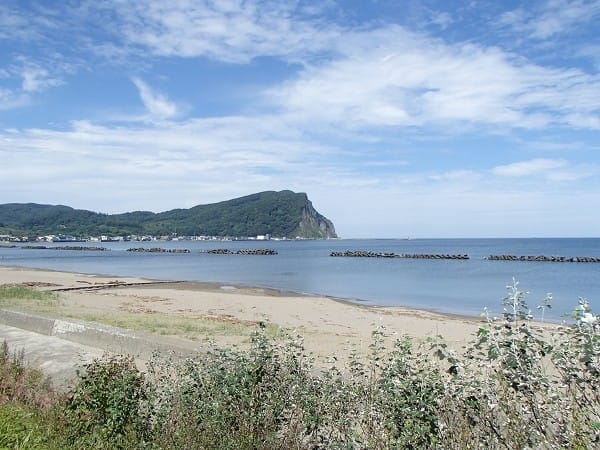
398	118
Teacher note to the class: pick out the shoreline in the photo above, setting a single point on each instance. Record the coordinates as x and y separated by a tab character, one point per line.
227	314
270	291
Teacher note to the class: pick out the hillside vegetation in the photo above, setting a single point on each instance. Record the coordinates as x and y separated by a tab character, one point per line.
280	214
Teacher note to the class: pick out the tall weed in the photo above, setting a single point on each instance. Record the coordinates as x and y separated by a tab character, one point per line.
523	386
21	383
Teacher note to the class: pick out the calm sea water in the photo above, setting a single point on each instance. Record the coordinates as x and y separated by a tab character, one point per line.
452	286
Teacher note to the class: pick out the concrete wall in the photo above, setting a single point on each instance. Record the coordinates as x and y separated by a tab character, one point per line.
111	339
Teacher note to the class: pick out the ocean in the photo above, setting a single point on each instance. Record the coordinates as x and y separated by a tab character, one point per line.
463	287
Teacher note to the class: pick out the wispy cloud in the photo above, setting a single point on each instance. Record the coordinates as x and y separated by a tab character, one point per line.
15	25
232	31
555	170
441	19
157	104
368	76
37	79
528	168
205	160
552	18
11	100
25	79
393	77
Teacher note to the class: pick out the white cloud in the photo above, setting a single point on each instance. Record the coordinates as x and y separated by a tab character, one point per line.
157	104
552	18
199	160
234	31
584	121
24	78
591	51
12	100
456	175
441	19
37	79
167	165
528	168
14	25
558	170
392	77
374	76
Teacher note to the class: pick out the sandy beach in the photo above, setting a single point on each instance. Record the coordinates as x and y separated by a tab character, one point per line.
227	315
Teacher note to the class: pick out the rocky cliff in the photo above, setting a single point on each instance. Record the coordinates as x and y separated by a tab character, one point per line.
314	224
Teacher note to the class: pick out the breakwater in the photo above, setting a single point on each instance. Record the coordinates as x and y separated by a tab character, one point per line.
455	286
80	248
542	258
246	251
158	250
370	254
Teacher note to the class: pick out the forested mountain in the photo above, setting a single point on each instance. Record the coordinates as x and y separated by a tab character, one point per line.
280	214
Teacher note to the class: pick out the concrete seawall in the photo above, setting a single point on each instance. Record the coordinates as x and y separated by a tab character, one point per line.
104	337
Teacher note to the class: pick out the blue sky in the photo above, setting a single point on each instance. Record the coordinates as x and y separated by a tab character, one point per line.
398	118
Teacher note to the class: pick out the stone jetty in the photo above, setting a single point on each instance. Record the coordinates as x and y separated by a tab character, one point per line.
535	258
369	254
219	251
80	248
158	250
256	251
247	251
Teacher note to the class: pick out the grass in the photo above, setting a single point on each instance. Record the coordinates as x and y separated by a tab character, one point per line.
166	325
195	329
22	427
24	297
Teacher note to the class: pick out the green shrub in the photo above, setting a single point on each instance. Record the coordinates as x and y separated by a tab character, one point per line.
104	403
228	398
273	397
409	392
